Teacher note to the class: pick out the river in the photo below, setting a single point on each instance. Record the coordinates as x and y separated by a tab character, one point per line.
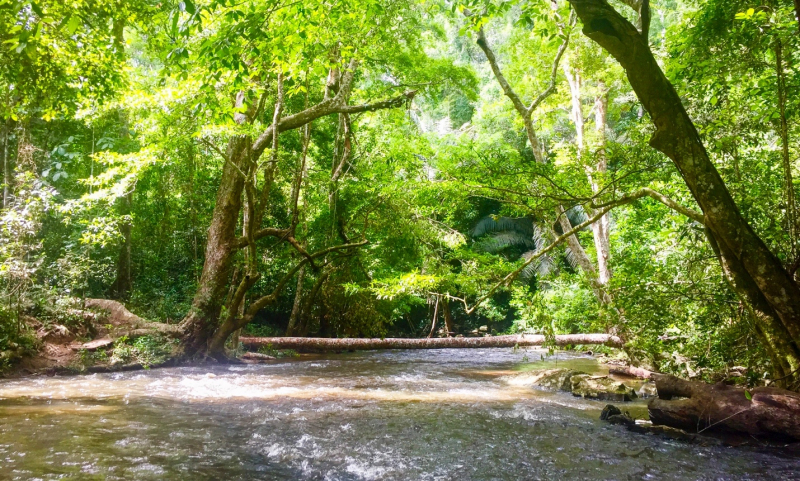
391	415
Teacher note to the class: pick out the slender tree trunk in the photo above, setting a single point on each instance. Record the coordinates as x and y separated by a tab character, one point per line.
448	317
6	169
797	13
435	315
308	303
772	292
294	318
600	276
600	229
791	206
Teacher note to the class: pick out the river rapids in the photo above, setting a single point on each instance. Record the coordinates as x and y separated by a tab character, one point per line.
391	415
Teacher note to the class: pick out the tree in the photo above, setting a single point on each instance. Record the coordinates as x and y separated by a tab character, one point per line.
754	271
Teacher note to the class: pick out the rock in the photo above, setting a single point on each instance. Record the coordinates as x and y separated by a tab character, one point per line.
614	415
648	390
600	387
553	379
609	410
484	329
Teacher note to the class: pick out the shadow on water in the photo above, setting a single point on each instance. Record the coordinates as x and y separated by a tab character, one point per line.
432	415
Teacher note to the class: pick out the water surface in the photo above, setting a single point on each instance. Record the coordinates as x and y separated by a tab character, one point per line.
428	415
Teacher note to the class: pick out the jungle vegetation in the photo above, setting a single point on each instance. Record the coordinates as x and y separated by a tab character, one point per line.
360	168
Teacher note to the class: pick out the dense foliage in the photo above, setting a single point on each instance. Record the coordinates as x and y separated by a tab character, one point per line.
121	120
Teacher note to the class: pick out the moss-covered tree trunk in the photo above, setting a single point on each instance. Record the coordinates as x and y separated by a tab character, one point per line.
763	281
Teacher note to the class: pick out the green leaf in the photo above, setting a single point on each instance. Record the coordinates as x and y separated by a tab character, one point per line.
72	25
748	395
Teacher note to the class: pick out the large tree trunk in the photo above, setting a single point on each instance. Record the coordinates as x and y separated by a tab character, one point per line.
201	321
769	413
742	249
316	344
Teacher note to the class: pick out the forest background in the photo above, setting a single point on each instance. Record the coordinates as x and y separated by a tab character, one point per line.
359	168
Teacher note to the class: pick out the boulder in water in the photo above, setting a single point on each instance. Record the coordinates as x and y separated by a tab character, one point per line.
600	387
553	379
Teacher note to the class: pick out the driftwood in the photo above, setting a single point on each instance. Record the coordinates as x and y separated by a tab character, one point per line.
318	344
762	412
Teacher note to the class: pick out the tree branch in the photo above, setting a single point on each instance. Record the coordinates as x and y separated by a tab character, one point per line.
270	298
602	209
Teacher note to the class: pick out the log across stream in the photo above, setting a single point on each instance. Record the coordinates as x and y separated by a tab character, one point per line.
324	344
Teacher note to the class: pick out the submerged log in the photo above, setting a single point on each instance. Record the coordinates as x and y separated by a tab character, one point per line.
762	412
317	344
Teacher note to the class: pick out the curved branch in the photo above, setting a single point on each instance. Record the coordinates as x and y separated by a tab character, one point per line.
268	299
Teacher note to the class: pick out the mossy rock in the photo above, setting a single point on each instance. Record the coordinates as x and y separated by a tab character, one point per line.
551	379
600	387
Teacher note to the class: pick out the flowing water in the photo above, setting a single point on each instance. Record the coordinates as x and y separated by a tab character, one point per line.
430	415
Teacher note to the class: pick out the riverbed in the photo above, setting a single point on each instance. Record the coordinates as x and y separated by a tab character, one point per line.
390	415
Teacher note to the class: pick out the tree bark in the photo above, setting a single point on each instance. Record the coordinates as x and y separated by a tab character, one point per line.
316	344
677	138
770	413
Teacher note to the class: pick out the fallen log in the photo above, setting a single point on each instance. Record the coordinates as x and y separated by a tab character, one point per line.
319	344
631	371
761	412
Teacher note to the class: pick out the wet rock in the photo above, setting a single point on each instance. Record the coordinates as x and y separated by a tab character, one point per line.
553	379
608	411
614	415
648	390
600	387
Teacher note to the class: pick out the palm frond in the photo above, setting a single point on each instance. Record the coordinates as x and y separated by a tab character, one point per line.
502	240
491	224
